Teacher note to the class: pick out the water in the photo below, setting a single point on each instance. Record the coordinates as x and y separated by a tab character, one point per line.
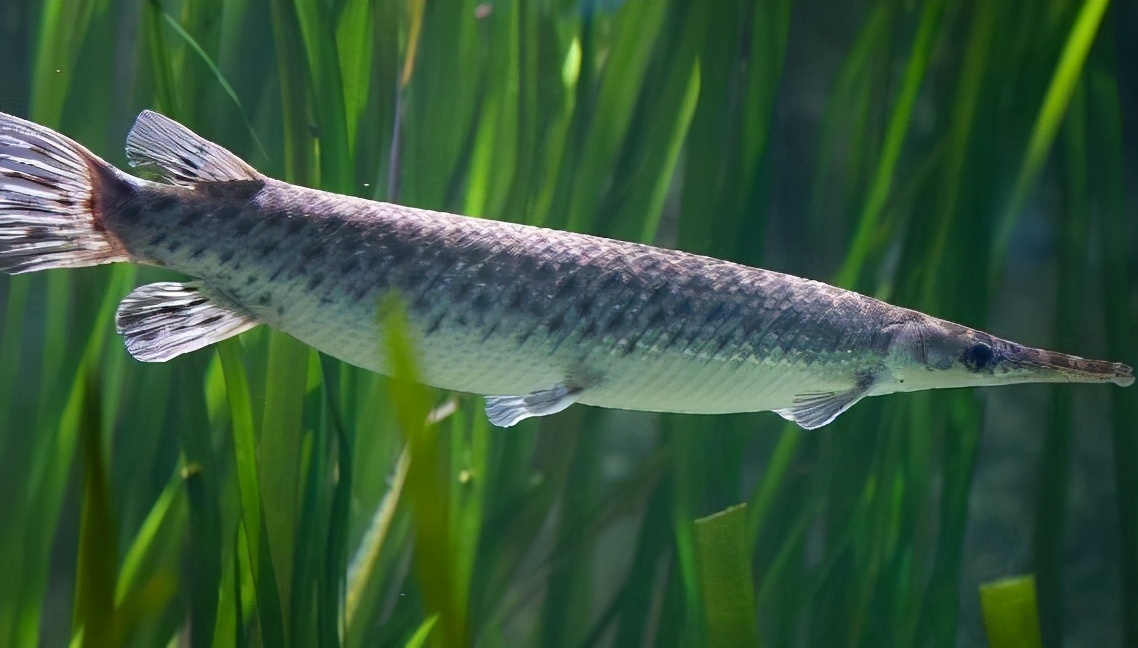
766	133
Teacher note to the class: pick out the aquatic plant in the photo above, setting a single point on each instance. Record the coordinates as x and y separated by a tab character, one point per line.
956	158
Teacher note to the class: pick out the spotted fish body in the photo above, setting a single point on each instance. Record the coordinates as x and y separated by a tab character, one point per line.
534	318
504	308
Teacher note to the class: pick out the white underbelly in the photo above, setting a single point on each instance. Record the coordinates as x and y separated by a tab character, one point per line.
461	360
664	383
678	383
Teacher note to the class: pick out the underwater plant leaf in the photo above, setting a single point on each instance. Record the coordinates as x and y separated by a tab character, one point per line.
1011	618
723	567
1068	70
214	70
419	639
281	439
426	483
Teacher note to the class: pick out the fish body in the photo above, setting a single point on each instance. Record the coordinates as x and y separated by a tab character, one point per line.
534	318
501	308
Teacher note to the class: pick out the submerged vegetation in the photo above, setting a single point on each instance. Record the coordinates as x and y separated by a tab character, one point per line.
963	158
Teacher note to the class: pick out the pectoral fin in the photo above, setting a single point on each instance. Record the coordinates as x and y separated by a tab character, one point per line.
817	409
161	321
505	411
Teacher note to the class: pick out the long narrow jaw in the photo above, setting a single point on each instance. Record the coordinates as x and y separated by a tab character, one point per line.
1051	366
933	354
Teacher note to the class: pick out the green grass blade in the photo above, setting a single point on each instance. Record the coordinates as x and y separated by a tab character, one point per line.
1011	618
63	25
730	130
425	484
208	61
765	491
1119	277
435	133
959	462
318	32
98	550
493	156
46	481
331	615
312	526
632	206
1067	72
293	75
640	598
269	610
281	440
286	370
690	468
248	475
148	577
846	122
364	561
898	129
166	99
470	459
968	102
239	638
244	443
419	639
12	456
202	476
723	565
149	548
1052	504
607	122
566	608
354	47
10	349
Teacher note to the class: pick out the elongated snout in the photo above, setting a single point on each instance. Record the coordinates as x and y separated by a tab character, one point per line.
1052	366
952	355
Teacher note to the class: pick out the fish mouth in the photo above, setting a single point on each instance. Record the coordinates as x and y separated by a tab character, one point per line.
1052	366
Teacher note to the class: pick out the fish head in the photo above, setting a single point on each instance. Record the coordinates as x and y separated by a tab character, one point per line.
934	353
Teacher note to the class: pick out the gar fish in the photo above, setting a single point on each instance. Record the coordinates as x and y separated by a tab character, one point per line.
534	319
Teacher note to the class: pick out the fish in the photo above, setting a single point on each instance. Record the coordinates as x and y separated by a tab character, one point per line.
533	319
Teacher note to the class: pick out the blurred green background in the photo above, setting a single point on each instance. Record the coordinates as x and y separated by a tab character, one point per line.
975	160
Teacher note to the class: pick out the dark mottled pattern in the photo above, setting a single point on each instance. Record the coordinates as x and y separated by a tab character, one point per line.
570	292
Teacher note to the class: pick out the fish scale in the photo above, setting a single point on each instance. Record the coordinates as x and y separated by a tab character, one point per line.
465	273
535	319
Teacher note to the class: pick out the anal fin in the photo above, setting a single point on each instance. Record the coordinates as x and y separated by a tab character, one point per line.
505	411
814	410
163	320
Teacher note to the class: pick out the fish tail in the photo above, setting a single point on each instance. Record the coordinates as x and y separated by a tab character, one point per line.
53	194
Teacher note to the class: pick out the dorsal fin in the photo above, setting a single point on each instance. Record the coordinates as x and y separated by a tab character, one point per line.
161	145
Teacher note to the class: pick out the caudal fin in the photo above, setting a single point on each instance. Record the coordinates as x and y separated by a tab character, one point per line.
52	191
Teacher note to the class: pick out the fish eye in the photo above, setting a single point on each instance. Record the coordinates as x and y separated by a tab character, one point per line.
978	356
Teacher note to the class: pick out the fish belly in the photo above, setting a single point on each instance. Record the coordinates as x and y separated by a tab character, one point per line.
464	359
